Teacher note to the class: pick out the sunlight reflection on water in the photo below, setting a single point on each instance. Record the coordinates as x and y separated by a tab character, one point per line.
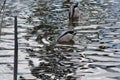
95	52
96	58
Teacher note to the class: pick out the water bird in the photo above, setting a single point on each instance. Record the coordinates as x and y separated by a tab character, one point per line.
66	37
75	13
73	1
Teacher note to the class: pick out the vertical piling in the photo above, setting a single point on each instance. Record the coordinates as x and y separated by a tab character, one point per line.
15	49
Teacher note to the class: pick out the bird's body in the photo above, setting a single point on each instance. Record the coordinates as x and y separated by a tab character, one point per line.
66	37
73	0
74	13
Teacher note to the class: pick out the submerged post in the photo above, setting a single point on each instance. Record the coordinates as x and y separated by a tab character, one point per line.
15	49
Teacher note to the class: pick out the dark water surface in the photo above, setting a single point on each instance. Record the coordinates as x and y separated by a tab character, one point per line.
95	54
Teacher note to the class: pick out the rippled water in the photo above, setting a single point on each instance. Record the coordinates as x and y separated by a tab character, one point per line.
95	54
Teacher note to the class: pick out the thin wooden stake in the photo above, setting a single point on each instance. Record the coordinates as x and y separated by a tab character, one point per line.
15	49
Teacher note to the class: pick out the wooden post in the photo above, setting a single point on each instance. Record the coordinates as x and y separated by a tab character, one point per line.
15	49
